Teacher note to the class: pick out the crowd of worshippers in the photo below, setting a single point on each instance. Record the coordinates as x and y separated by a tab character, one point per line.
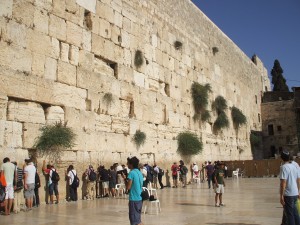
22	182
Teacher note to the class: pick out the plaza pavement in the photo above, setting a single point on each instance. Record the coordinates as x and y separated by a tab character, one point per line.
248	202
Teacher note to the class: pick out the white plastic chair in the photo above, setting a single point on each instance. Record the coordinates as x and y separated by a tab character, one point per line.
196	178
120	188
156	203
152	190
235	173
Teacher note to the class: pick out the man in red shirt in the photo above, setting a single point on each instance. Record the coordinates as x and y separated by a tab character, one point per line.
52	182
174	170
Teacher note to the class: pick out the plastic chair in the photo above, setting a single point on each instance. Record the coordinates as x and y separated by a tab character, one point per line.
120	188
156	203
196	178
235	173
152	190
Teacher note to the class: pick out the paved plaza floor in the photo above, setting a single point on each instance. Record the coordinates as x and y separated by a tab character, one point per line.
248	202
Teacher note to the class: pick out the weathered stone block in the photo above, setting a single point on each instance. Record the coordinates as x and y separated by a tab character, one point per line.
139	79
30	132
55	48
118	19
28	112
86	59
38	64
66	73
57	27
10	134
103	123
6	8
105	29
3	106
54	114
101	67
89	5
74	55
39	42
41	21
120	125
17	33
24	16
64	51
74	34
86	40
51	69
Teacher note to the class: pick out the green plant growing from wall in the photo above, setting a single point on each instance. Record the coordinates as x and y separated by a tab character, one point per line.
138	58
108	99
54	139
220	104
188	144
139	138
215	50
221	121
255	140
238	117
178	45
200	95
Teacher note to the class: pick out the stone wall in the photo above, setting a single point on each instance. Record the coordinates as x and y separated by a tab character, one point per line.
59	58
281	116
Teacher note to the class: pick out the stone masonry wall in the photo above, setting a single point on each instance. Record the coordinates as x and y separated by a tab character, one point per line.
59	58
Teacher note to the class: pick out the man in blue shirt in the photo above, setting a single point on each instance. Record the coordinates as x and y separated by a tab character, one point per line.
289	188
134	184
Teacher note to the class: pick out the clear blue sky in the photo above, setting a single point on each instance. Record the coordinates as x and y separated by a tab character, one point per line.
268	28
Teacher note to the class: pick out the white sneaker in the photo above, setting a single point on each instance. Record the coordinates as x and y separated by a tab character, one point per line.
217	205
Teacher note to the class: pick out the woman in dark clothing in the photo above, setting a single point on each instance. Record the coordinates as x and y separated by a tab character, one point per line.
112	180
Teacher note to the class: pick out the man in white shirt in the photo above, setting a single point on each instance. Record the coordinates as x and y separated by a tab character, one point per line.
29	182
9	171
195	171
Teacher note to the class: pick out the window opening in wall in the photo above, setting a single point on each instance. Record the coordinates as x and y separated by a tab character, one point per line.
167	89
131	109
259	118
279	128
88	23
271	129
110	63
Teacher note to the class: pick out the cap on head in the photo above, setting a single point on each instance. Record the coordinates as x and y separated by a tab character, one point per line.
285	155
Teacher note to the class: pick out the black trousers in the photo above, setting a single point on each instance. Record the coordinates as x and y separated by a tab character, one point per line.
73	193
37	197
160	181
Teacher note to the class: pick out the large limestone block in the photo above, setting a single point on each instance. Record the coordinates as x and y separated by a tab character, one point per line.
69	96
17	33
3	106
139	79
86	40
74	34
89	5
38	64
39	42
66	73
86	59
14	154
6	8
24	16
10	134
51	69
28	112
120	125
41	21
103	123
101	67
57	27
30	132
74	55
15	57
64	51
54	114
105	29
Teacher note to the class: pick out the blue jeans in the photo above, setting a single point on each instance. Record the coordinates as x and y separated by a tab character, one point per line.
135	212
291	211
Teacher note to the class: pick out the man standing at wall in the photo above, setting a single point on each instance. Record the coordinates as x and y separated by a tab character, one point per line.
8	169
29	183
220	184
52	182
289	188
174	170
134	184
209	172
183	173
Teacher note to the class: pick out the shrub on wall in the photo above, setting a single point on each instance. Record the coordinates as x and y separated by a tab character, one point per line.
238	117
139	138
221	121
178	45
108	98
220	104
215	50
200	94
138	58
54	139
189	144
255	140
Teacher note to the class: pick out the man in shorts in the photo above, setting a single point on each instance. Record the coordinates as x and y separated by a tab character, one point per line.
174	170
52	185
134	184
104	177
8	169
220	184
29	183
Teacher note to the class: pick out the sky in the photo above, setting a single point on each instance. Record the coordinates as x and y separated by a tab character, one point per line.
268	28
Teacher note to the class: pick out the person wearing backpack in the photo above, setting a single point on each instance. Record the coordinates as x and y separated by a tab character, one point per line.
183	172
91	183
73	183
160	173
53	178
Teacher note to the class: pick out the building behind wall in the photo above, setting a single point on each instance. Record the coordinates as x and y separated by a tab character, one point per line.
280	117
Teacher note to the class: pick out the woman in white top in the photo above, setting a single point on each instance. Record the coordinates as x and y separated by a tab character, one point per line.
72	174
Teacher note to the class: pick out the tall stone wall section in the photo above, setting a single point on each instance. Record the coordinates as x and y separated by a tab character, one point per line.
59	58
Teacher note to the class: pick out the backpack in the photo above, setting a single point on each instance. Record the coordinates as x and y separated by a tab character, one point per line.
37	181
55	176
2	193
184	170
161	172
76	181
92	176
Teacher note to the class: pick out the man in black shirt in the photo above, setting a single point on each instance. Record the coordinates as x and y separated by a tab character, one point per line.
104	177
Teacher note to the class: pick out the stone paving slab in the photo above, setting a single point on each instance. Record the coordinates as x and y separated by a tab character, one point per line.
248	202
